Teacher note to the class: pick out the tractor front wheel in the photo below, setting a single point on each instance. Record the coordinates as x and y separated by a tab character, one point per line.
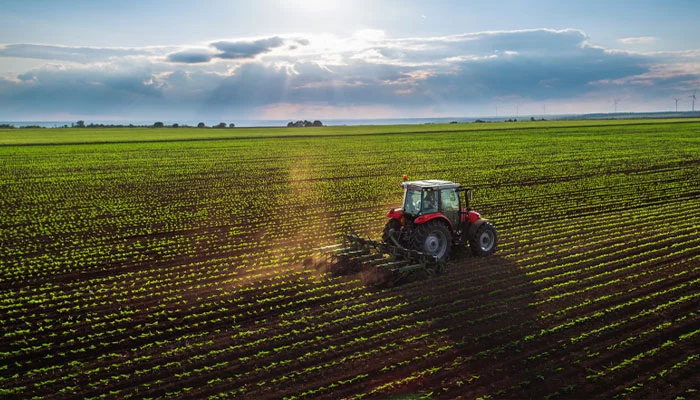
484	240
433	238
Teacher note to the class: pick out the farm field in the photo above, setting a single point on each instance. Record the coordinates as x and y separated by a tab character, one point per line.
178	263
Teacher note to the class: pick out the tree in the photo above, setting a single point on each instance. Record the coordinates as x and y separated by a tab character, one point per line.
304	124
232	125
201	125
221	125
158	125
80	124
176	125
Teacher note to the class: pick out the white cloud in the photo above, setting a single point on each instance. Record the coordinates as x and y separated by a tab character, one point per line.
76	54
638	40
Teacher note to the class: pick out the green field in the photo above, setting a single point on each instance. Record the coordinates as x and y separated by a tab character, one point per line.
149	263
112	135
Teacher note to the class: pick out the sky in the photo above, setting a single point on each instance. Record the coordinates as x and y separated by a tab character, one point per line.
176	60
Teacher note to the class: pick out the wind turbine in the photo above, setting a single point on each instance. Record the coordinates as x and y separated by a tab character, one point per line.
677	100
693	97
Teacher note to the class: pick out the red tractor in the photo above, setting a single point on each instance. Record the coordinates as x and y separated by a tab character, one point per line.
435	218
419	236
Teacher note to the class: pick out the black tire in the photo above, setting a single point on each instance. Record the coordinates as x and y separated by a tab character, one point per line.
433	238
392	225
484	240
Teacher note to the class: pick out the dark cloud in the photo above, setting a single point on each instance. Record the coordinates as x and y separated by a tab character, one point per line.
193	56
79	91
233	50
534	76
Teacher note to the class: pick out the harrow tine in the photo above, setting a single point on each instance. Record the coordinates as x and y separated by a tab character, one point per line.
361	241
379	261
352	253
340	250
392	265
370	257
328	248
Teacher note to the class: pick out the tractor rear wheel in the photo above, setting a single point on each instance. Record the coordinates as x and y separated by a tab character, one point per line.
392	226
484	240
433	238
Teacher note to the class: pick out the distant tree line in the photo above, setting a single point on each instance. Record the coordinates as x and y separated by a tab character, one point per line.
10	126
304	124
157	124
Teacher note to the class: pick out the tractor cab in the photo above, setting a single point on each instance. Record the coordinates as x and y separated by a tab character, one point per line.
427	197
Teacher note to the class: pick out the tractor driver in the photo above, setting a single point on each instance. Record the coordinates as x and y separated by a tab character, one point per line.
430	202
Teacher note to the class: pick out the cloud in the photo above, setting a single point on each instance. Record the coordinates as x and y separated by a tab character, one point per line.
243	78
223	49
638	40
80	90
232	50
190	56
69	53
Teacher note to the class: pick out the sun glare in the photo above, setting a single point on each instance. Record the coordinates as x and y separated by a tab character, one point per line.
315	6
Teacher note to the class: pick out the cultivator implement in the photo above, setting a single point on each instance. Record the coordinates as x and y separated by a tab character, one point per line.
391	261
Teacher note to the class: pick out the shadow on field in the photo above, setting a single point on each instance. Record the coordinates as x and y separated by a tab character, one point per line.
479	308
478	302
482	300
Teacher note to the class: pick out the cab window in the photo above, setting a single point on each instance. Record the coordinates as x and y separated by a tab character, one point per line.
449	202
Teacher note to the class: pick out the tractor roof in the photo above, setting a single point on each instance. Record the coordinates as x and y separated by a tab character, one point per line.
430	184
